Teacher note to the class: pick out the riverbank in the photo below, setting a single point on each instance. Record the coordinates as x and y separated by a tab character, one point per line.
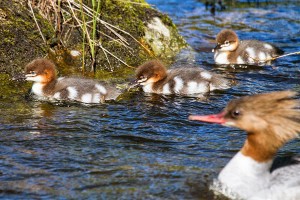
105	41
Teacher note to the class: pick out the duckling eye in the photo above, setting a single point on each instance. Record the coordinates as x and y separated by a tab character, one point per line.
142	77
235	113
226	42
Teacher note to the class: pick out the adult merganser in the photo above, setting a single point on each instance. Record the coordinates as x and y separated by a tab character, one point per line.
270	120
46	85
155	78
230	50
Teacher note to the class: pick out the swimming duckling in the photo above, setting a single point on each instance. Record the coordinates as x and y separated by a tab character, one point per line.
155	78
230	50
46	85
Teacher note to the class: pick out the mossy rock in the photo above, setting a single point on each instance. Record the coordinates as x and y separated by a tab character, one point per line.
156	34
20	39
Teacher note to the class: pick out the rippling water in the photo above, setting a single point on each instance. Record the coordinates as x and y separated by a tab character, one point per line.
143	146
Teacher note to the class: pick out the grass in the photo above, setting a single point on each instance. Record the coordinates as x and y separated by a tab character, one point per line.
77	14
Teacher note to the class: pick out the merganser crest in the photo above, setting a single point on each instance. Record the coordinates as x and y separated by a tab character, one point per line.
270	121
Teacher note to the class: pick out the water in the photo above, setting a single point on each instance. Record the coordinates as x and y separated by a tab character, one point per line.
143	146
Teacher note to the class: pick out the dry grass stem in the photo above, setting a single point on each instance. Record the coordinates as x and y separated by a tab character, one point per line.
274	58
115	56
289	54
105	54
34	18
66	13
124	1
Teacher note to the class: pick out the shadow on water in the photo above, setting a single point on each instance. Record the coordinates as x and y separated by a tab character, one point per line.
143	146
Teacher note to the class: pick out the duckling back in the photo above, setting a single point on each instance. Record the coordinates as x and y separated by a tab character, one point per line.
188	81
84	90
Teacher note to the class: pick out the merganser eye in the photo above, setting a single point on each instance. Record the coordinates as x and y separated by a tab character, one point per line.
235	113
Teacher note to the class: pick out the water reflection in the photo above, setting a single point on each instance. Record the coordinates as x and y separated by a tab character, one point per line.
143	146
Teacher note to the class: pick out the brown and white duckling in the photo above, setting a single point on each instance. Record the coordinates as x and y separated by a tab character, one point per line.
270	121
155	78
46	85
230	50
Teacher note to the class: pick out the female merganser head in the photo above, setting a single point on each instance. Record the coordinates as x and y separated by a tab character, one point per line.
270	120
46	85
155	78
230	50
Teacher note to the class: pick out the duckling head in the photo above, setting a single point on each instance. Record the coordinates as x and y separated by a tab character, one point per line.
227	40
150	72
40	70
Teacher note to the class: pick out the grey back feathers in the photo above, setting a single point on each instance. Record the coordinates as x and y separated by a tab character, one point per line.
46	84
156	79
94	90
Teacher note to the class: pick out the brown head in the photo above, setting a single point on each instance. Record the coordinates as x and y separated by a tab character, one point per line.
227	40
40	70
150	72
270	120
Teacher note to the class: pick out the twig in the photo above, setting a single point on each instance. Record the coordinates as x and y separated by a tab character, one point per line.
127	34
142	4
70	12
29	4
274	58
107	25
289	54
103	49
88	36
106	57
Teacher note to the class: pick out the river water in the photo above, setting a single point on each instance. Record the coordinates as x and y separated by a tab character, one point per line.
143	146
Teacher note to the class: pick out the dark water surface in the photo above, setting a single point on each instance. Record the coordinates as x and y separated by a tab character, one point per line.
143	146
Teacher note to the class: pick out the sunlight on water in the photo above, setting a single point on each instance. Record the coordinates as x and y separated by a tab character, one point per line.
143	146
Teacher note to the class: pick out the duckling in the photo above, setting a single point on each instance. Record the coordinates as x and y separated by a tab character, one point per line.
155	78
230	50
46	85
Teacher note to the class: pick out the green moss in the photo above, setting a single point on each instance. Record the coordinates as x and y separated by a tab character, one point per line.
12	91
21	42
118	75
133	19
126	16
